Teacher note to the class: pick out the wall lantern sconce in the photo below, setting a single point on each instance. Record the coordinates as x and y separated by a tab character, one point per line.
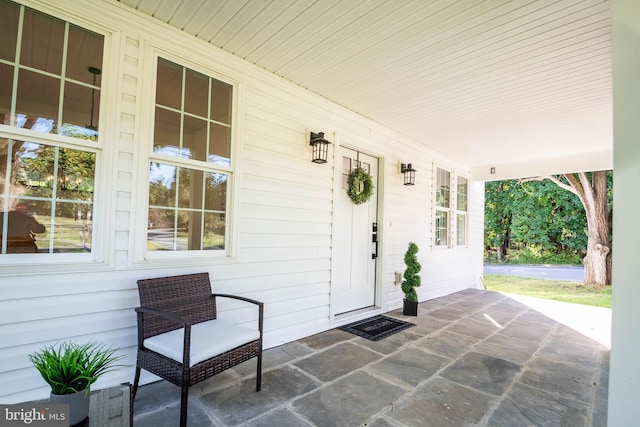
320	147
409	174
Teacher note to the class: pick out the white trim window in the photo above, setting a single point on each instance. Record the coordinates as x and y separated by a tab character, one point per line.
442	208
190	162
462	211
50	146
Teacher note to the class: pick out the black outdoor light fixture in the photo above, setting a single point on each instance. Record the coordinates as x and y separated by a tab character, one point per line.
95	71
409	173
320	147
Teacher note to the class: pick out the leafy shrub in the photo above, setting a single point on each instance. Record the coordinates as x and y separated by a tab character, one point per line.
70	367
411	277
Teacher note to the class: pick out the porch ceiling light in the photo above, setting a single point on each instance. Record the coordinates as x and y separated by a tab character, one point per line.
409	173
320	147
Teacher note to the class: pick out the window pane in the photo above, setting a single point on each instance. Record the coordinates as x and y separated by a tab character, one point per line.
8	30
221	101
32	171
71	229
161	230
166	135
443	179
219	145
37	103
462	194
461	229
175	230
86	51
215	196
442	228
6	84
196	93
194	138
162	188
81	112
75	171
23	229
42	42
189	230
214	228
169	84
54	187
190	184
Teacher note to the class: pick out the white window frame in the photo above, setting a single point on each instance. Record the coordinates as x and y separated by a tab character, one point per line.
441	209
97	257
151	52
460	212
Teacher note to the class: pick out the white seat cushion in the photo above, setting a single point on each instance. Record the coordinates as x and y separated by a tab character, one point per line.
208	339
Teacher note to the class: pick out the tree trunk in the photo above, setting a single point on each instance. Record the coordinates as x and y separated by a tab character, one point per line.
593	195
597	262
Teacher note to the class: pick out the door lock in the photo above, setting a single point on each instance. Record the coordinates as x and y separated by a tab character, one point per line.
374	239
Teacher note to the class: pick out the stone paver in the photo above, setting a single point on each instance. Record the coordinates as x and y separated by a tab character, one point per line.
409	367
389	344
449	314
440	403
476	326
240	402
581	354
449	344
280	418
337	361
535	332
348	402
474	358
519	350
531	406
428	324
484	373
326	339
566	380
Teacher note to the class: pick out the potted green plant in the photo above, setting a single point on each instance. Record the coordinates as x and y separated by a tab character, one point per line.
70	369
411	281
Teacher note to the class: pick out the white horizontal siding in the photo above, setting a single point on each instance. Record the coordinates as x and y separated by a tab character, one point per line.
283	219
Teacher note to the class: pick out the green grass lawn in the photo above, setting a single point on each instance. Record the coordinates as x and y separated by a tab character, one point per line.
559	290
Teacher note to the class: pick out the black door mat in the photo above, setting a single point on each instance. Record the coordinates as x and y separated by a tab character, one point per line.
377	327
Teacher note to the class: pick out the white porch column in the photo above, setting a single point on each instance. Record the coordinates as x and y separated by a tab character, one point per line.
624	406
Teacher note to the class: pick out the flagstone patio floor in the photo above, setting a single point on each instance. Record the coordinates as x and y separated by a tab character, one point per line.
473	358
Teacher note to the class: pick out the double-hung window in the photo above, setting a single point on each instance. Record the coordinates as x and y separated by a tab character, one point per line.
442	207
190	161
462	210
50	146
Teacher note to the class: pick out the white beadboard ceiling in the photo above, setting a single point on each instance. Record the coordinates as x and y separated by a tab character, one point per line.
487	82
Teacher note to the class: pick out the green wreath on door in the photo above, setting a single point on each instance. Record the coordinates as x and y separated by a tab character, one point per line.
360	186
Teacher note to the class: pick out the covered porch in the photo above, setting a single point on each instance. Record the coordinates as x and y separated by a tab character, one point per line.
469	92
473	358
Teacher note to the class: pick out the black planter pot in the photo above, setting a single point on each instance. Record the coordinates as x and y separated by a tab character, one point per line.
410	308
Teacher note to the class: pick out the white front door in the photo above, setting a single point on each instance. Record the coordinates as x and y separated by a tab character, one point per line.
355	247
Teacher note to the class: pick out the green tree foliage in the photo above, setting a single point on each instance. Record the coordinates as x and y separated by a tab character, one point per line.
500	203
550	218
535	217
411	277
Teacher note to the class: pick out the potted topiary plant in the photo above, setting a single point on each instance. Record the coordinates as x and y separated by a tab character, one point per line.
411	281
70	369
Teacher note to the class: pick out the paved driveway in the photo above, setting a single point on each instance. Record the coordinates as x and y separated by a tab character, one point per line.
575	274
